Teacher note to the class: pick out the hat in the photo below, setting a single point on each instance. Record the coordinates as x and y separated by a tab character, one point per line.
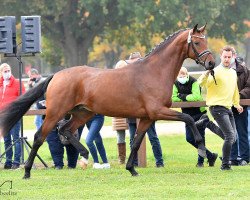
135	55
33	71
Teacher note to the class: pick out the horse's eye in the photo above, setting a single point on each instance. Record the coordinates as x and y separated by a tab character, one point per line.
196	43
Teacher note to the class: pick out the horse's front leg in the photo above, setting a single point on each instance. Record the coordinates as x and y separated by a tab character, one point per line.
139	135
169	114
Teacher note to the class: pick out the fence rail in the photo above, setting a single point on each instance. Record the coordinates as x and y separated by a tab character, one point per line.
243	102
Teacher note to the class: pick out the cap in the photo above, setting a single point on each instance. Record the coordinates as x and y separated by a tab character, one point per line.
135	55
33	71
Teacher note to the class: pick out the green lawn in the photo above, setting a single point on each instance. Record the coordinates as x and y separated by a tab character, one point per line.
180	179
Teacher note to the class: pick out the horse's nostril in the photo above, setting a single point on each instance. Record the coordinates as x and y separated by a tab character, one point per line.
211	64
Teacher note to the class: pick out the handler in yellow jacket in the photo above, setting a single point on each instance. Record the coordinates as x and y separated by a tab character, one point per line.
221	96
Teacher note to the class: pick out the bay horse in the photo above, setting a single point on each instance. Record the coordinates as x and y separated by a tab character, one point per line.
144	88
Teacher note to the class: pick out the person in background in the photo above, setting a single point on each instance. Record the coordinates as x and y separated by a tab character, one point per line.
57	143
34	79
10	91
94	125
186	88
56	146
120	126
152	135
221	96
240	149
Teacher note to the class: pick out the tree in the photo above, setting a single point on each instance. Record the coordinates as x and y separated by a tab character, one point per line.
72	25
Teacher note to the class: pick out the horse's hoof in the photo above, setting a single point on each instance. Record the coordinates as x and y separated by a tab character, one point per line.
26	176
83	163
132	171
135	174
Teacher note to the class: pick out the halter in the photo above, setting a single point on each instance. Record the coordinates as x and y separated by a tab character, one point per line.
198	55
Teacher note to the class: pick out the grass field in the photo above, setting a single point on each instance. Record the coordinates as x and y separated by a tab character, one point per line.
180	179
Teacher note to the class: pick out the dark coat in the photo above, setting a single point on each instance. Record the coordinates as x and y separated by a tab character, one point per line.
243	75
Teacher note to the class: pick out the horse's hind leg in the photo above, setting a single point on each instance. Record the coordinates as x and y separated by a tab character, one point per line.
37	143
39	138
140	133
168	114
78	119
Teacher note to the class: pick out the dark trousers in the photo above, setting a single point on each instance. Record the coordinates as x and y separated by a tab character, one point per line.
13	135
154	140
190	137
241	146
225	119
57	149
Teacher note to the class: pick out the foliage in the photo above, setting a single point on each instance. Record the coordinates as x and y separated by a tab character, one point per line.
71	27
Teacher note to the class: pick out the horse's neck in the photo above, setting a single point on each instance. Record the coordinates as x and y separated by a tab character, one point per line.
170	60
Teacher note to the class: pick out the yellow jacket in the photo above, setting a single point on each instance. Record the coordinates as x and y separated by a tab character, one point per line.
225	93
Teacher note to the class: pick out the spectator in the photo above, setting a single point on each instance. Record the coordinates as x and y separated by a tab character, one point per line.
57	148
186	88
220	98
34	79
94	125
120	126
57	143
241	146
152	135
9	91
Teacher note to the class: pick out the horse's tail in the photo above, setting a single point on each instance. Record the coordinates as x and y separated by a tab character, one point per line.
15	110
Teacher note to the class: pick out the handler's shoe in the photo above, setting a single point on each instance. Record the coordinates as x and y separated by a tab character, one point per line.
106	166
243	163
225	167
97	166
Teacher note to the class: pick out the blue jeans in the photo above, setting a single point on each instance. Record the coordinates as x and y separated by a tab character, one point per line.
241	146
225	119
94	125
14	133
154	140
190	137
57	149
38	121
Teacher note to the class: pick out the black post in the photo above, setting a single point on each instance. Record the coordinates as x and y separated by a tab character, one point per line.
20	72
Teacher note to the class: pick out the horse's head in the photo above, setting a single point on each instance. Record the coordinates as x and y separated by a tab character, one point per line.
197	48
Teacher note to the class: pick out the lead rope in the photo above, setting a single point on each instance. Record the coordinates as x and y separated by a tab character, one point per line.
212	73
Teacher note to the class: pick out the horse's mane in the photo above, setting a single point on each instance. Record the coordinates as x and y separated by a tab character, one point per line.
165	42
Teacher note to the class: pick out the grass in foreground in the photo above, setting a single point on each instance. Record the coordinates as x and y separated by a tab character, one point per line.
180	179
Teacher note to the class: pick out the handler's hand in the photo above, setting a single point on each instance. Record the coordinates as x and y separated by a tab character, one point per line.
240	109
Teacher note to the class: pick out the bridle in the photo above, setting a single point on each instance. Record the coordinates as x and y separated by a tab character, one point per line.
197	54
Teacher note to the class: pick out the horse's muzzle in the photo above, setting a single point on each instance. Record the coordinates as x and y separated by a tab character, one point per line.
210	65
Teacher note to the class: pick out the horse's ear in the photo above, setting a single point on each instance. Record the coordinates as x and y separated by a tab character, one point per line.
195	29
202	29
